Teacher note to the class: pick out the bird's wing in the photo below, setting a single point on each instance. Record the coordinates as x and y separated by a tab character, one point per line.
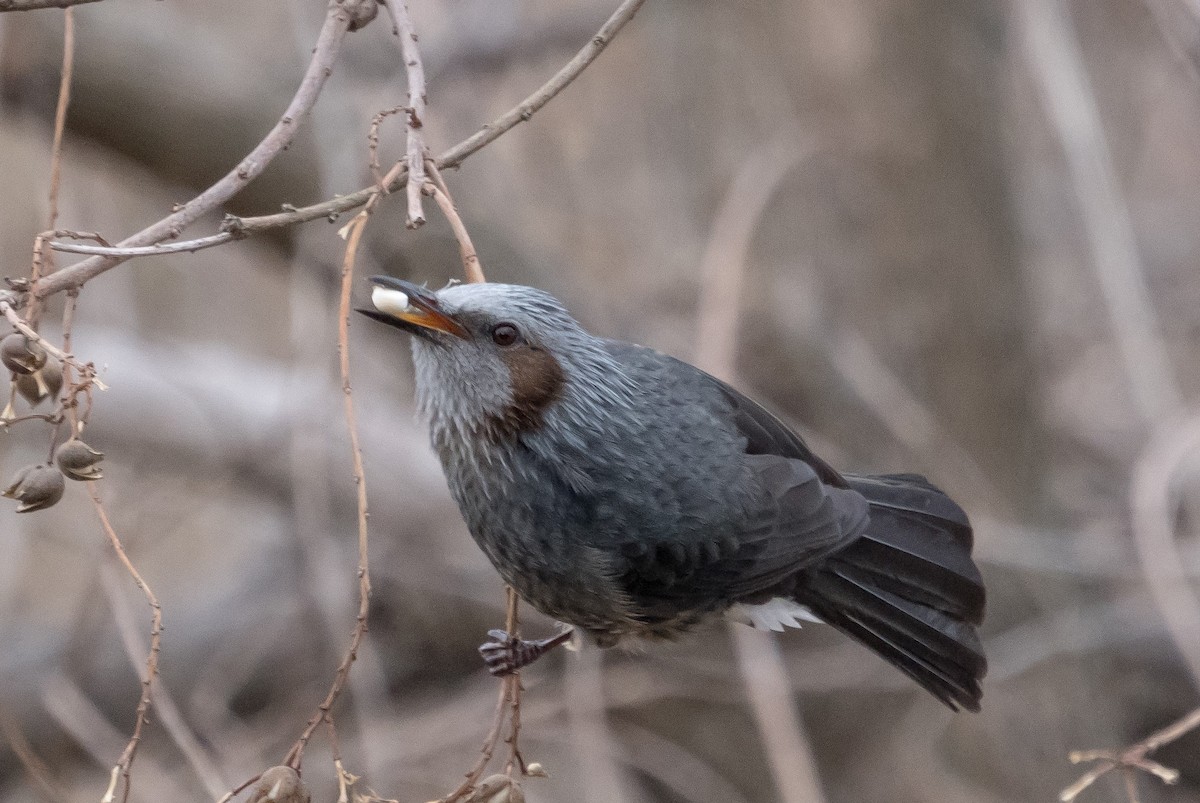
802	510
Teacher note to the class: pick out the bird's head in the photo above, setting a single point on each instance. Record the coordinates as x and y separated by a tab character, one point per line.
496	360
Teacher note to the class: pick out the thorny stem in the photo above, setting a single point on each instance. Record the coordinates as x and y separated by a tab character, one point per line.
125	762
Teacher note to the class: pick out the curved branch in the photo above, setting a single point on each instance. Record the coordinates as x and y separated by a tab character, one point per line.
33	5
337	22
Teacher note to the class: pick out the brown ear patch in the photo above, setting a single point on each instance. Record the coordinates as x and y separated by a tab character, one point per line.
537	382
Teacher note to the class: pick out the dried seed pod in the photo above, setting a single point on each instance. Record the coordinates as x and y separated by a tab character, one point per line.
536	770
36	488
20	354
280	784
78	461
42	384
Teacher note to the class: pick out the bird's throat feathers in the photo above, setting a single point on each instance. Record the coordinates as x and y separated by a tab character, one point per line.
565	409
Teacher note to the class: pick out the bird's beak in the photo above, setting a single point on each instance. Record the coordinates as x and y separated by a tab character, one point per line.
409	307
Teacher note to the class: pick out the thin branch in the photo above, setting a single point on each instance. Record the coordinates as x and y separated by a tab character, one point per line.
125	762
506	702
373	142
515	762
455	156
414	70
34	5
182	246
168	712
472	268
60	111
528	107
329	41
40	259
353	233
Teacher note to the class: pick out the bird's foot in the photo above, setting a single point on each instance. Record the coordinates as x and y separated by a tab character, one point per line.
506	654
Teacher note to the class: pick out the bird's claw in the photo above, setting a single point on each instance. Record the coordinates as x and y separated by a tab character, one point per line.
506	654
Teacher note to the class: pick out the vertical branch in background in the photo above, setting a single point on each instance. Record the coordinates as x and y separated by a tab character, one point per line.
414	70
46	259
125	762
723	275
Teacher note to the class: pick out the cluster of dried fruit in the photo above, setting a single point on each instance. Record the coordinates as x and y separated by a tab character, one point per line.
38	376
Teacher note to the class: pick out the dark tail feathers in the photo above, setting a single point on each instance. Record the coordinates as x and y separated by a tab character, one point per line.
908	588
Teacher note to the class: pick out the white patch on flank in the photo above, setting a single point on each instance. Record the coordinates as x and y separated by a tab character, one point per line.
274	793
775	614
393	302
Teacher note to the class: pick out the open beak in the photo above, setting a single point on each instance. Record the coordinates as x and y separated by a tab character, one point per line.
409	307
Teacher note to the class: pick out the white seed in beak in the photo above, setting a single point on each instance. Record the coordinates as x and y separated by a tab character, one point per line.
393	302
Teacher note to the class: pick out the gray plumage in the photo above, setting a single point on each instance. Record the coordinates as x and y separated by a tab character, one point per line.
630	494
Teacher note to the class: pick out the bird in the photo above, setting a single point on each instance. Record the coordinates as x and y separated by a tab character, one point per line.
634	497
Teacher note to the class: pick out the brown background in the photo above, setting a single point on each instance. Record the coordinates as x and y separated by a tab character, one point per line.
922	291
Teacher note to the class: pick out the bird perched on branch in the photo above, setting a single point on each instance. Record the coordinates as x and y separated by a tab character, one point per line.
629	494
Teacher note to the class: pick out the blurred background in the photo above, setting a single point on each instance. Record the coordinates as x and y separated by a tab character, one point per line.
962	240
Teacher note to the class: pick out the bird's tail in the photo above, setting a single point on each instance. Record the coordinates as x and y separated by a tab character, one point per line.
908	588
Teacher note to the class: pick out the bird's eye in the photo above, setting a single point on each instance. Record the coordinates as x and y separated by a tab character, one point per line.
505	334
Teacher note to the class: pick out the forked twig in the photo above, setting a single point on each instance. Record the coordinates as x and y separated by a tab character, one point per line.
238	227
1131	759
337	22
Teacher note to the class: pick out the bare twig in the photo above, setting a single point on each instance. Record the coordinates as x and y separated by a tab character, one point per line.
40	259
373	142
125	762
33	5
508	701
472	268
759	659
280	136
530	106
237	228
60	111
402	27
248	226
168	712
515	762
353	232
1131	759
183	246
